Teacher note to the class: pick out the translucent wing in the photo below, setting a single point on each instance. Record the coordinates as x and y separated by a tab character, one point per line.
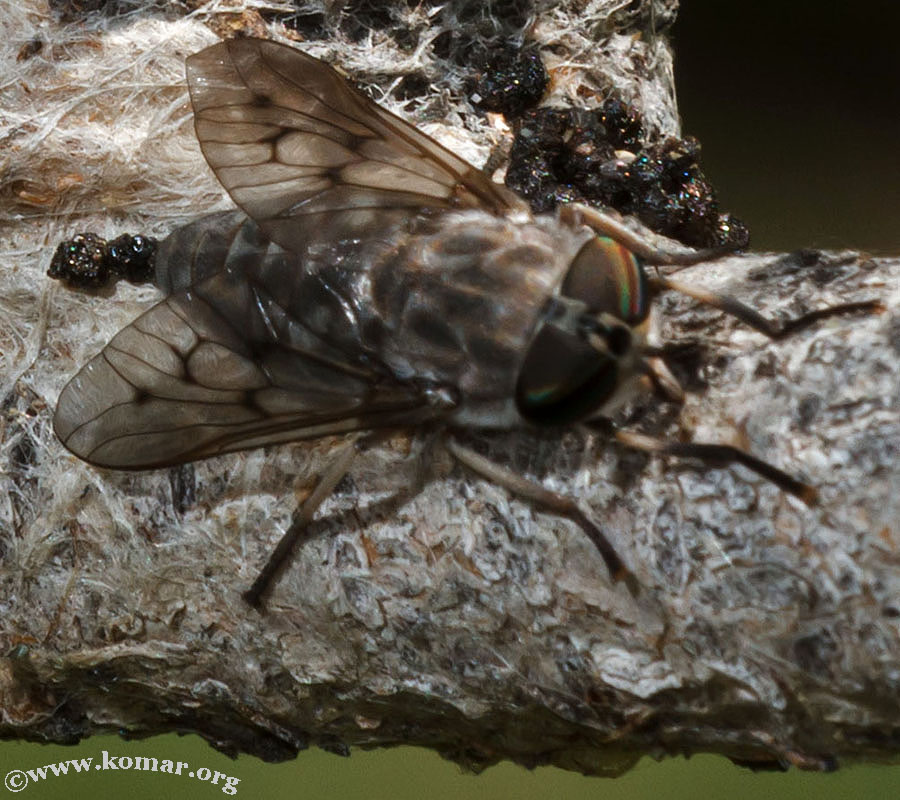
310	158
216	368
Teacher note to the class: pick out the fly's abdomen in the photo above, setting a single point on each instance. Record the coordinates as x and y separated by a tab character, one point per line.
193	252
317	300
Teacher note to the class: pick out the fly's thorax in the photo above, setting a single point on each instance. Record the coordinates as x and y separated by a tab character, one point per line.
585	356
460	301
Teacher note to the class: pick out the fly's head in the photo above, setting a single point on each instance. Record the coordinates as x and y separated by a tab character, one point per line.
587	352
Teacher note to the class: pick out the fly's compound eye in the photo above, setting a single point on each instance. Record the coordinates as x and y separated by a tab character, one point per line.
565	379
609	279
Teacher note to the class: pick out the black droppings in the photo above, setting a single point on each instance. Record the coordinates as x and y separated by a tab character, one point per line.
411	86
88	261
597	156
360	17
132	257
311	24
81	261
80	10
509	81
473	30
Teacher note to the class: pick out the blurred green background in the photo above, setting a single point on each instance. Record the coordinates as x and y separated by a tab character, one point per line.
797	105
408	773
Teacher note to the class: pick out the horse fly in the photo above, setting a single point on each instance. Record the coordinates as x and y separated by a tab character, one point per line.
372	280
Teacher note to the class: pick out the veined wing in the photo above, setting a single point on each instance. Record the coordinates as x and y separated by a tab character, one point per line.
183	382
310	158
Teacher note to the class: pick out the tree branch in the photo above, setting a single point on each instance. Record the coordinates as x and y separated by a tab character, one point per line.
454	617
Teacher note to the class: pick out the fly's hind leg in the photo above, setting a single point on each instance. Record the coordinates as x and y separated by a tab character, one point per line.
560	504
329	479
303	516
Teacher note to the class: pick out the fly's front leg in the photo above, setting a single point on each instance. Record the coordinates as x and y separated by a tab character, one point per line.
556	503
712	453
720	455
662	381
575	214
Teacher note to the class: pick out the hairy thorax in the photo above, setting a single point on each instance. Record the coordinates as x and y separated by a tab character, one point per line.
459	303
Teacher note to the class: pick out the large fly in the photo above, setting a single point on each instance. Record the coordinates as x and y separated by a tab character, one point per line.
372	280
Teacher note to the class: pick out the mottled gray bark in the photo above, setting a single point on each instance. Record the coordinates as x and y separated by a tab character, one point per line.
453	617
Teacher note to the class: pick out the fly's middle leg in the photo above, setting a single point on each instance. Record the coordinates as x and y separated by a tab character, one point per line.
554	502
